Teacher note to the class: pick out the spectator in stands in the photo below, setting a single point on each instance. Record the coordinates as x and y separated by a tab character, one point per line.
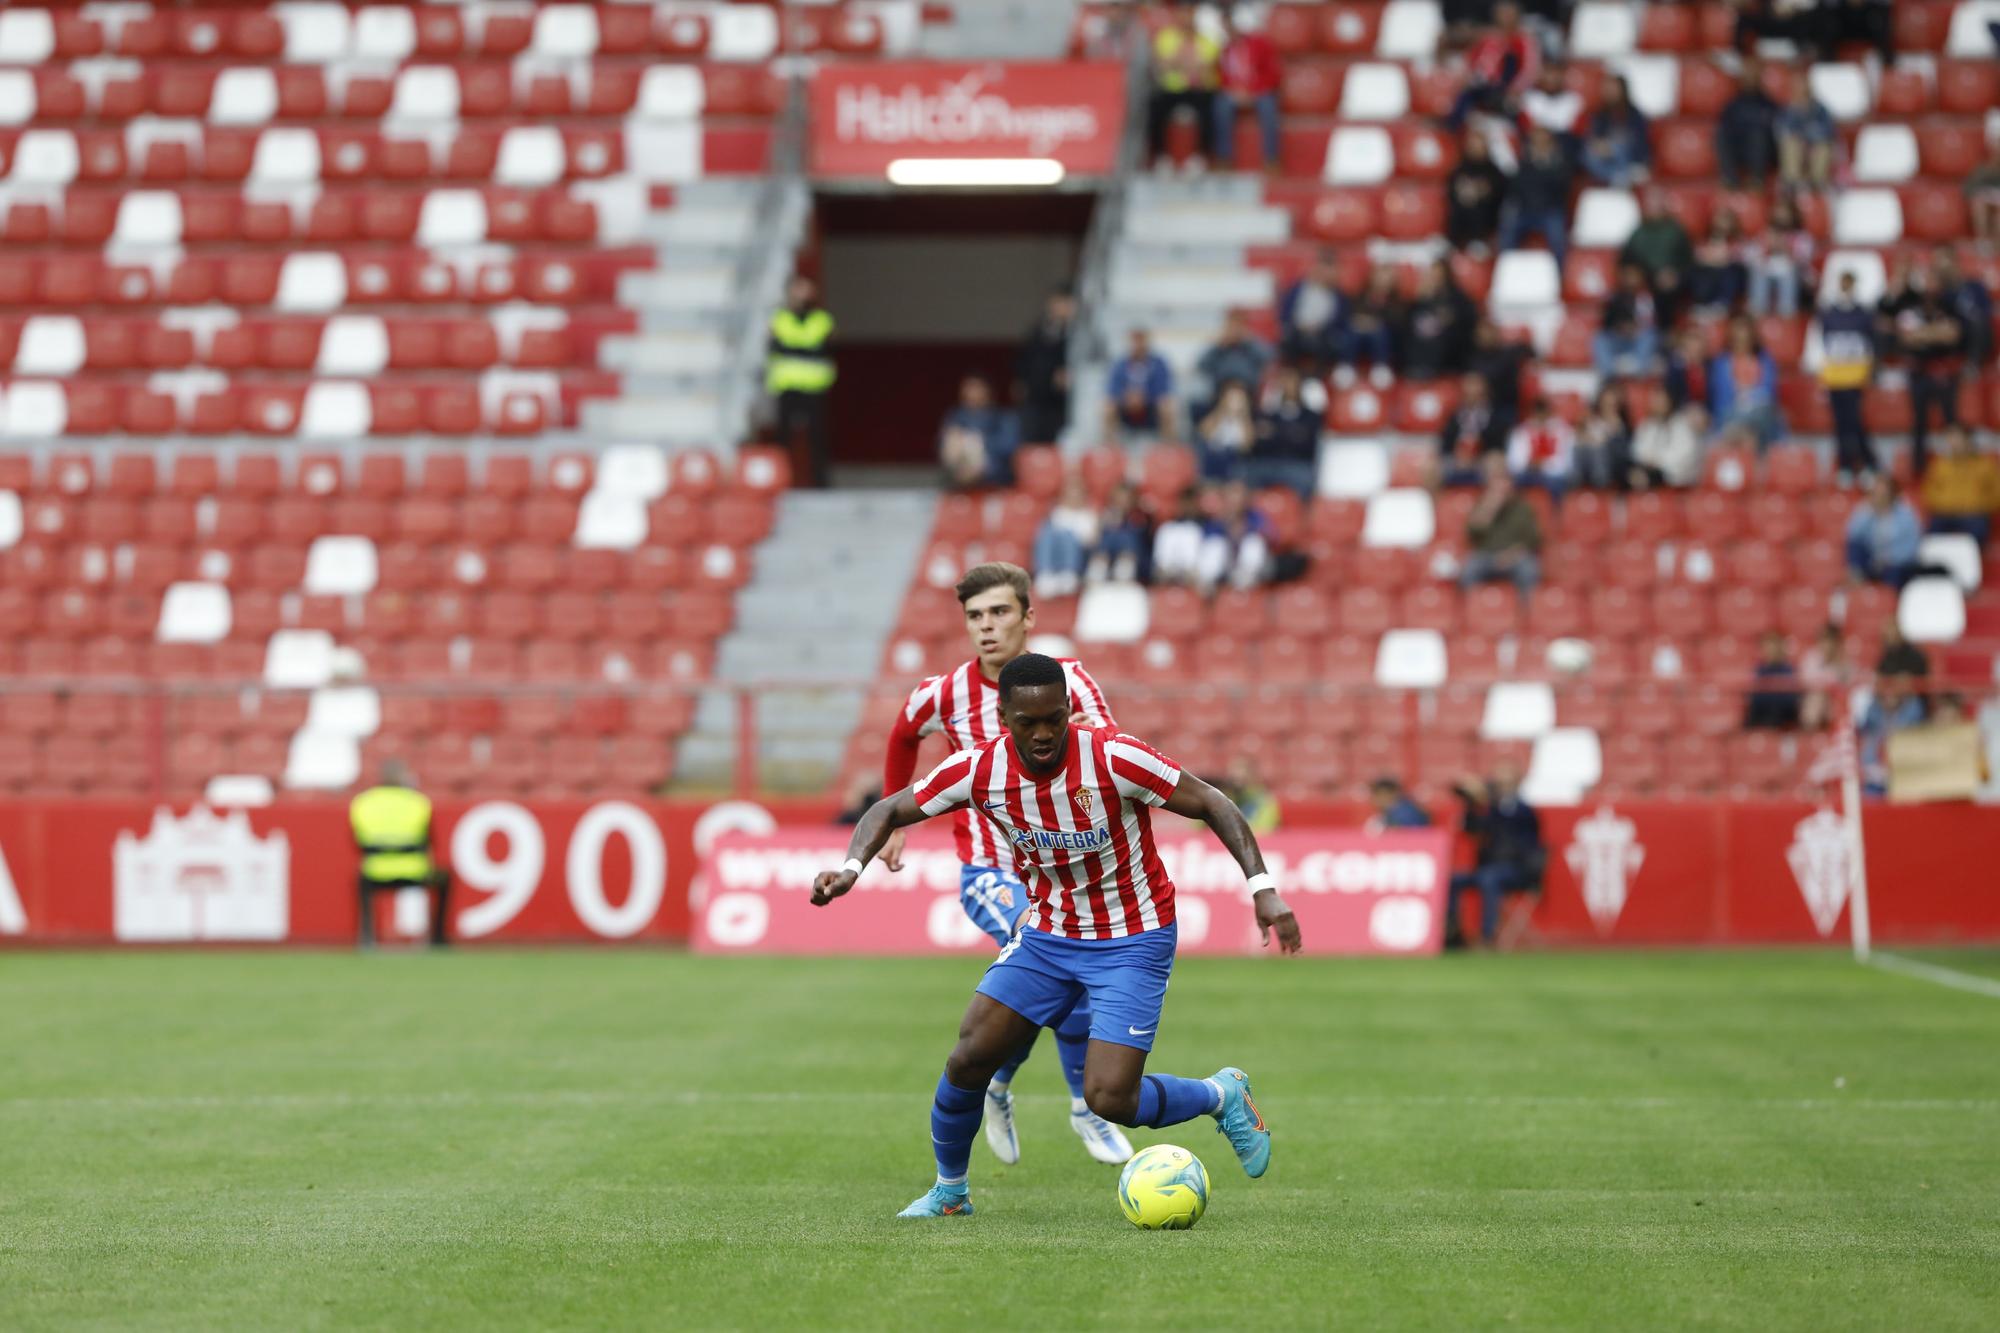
1124	551
1541	451
1604	441
1659	245
1627	343
1500	363
863	790
1312	315
1969	300
1686	376
1962	488
1554	106
1253	796
799	371
1932	339
1236	354
1225	435
1393	807
1184	78
1370	332
1894	706
1065	540
1286	451
1474	429
1805	140
1667	446
1473	194
1775	20
1236	543
1538	201
1847	364
1499	67
1900	657
1773	701
1823	669
1041	370
1618	150
1743	385
977	441
1844	21
1436	335
1882	536
1507	835
1719	278
1177	542
1141	403
1465	22
1504	534
1250	74
1743	132
1783	262
1982	198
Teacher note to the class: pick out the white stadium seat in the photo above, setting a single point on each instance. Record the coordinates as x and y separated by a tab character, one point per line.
610	521
1654	82
1403	518
1885	154
1867	217
1955	553
27	36
1410	30
34	410
237	791
17	97
1112	613
1869	276
1567	762
452	217
1843	89
148	217
1971	35
745	33
298	659
632	469
11	524
425	92
1359	155
565	31
1931	610
336	410
1410	659
670	92
1374	92
288	155
353	345
1525	280
50	345
345	710
1599	31
1605	218
45	157
1518	711
322	761
315	33
1353	469
244	95
384	32
194	613
312	282
340	566
530	155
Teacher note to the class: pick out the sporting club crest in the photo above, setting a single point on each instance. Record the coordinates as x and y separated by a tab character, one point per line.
1604	855
1085	800
201	877
1823	864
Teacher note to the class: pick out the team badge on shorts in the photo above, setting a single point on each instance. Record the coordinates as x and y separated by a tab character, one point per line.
1085	798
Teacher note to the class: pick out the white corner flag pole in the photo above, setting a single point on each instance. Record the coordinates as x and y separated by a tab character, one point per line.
1857	859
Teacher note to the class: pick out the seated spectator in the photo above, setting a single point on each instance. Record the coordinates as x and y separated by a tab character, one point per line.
1286	449
1686	379
1847	364
1805	136
1969	301
1312	315
1177	543
1474	430
1783	263
1982	198
1659	245
1236	545
1499	362
976	443
1618	150
1253	796
1667	446
1627	343
1504	534
1538	201
1372	317
1743	132
1895	706
1249	77
1882	536
1719	279
1436	335
1604	441
1237	354
1140	401
1773	703
1473	194
1823	671
1961	490
1900	657
1393	807
1124	551
1541	451
1554	106
1743	385
1064	543
1184	78
1510	857
1499	67
1225	435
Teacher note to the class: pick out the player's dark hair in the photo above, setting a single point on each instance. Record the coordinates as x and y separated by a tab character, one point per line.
1029	670
995	574
1385	784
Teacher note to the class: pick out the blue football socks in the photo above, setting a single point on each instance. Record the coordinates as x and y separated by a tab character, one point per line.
1072	1044
954	1121
1165	1100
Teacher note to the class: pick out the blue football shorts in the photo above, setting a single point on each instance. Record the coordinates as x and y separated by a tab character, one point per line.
995	899
1042	977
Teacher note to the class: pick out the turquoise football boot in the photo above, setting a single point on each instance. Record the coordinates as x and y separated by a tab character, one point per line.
1240	1119
942	1201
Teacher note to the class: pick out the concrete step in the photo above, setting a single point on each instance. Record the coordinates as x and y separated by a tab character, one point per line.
1147	192
1179	287
687	353
1208	224
704	288
680	419
724	226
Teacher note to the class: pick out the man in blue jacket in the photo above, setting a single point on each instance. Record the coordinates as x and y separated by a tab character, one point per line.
1511	859
1882	536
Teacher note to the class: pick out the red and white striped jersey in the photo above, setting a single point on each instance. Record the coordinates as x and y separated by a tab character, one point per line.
965	706
1081	838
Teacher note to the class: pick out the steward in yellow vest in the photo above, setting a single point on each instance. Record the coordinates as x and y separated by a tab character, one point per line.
392	830
798	372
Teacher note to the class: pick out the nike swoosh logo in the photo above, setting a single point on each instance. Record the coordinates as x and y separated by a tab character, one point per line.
995	805
1137	1032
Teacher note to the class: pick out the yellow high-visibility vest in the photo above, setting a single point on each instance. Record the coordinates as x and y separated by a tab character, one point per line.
392	827
799	362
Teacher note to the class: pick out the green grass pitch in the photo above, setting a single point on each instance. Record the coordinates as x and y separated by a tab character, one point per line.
570	1139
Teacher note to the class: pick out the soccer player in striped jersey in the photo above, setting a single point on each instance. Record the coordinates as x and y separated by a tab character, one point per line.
965	705
1075	806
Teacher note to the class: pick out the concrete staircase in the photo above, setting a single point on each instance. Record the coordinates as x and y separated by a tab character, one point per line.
1002	30
828	587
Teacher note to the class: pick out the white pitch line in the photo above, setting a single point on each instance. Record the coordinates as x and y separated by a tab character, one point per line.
1943	976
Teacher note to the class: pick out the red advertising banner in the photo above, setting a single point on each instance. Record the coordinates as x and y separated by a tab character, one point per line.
865	116
1352	894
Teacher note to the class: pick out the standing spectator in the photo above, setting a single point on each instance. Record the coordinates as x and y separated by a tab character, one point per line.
1659	245
1236	545
1933	339
1968	299
1225	435
1236	354
1962	488
1249	76
1510	857
1124	551
1743	131
1554	106
1473	194
1618	150
1783	262
1504	534
1184	76
1539	199
1177	543
1472	431
1372	316
1041	370
1436	335
1141	402
1982	198
1604	443
977	441
1500	65
1743	385
1499	362
1286	452
1393	807
1882	536
1687	368
799	372
1900	657
1773	702
1847	364
1902	297
1666	448
1064	543
1311	315
1805	141
1628	341
1718	279
1541	451
1823	670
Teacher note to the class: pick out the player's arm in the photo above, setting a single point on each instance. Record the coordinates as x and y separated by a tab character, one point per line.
883	817
899	766
1195	799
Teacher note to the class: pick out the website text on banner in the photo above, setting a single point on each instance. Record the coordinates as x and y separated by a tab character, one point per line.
866	116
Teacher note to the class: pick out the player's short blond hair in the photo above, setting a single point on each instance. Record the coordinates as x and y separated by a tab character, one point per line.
995	574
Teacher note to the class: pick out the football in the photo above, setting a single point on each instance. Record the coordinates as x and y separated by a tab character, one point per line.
1163	1188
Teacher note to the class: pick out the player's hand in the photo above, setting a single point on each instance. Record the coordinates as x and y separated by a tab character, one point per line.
830	884
892	850
1272	914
